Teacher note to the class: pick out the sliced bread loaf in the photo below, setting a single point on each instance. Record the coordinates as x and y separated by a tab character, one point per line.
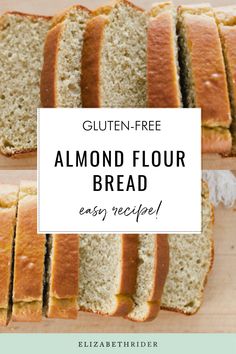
163	89
60	79
153	263
8	204
114	57
62	276
21	47
216	140
107	275
203	71
191	258
226	19
29	258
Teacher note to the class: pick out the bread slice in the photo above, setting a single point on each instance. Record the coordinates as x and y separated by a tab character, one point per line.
108	271
114	57
63	269
29	258
60	79
163	89
226	19
191	258
8	204
153	264
203	71
21	47
216	140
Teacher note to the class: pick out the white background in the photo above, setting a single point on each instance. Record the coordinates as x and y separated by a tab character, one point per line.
63	191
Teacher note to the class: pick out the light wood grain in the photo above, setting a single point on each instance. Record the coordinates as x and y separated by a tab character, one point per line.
217	314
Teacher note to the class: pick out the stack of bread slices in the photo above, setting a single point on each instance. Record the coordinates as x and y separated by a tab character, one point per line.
128	275
119	56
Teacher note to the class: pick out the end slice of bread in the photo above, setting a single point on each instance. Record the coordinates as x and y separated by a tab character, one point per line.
153	267
8	204
108	271
216	140
203	71
60	78
226	19
191	258
21	46
62	276
163	88
114	57
28	259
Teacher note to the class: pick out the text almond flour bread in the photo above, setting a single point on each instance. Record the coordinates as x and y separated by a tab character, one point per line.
21	47
114	57
153	265
62	276
108	272
8	205
163	87
60	78
29	258
191	258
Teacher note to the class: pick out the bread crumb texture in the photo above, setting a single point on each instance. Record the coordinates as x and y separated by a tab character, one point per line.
21	48
69	58
191	257
100	272
123	58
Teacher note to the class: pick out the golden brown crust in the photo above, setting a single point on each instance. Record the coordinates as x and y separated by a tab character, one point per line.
18	154
48	88
63	15
27	311
8	203
24	14
3	317
91	55
63	308
128	274
63	287
226	15
29	257
216	141
162	73
49	72
208	71
228	37
90	62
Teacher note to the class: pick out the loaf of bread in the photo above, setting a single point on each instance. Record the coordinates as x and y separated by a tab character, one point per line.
8	204
226	19
29	258
191	258
62	276
216	140
21	47
60	78
114	57
107	273
203	71
153	264
163	88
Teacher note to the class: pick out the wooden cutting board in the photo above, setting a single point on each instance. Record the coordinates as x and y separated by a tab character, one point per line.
217	314
50	8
